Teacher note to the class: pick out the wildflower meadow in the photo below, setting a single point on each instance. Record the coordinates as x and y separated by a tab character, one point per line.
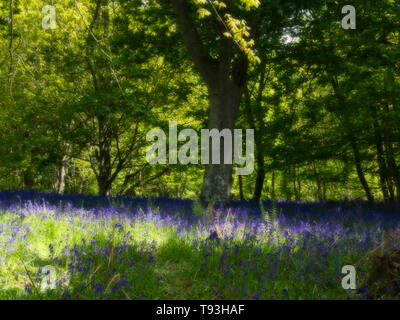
137	248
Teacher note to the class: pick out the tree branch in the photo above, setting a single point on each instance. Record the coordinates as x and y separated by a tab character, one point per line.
202	60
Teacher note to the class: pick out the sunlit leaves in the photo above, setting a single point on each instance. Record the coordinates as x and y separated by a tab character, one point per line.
203	13
240	32
249	4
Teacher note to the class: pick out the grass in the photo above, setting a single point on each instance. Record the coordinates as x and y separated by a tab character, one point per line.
144	254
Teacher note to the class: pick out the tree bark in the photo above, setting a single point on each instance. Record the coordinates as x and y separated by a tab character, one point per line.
318	180
259	182
360	172
393	169
273	185
285	185
258	127
106	168
381	162
225	79
391	159
296	185
63	169
103	157
241	188
28	178
224	106
62	174
299	186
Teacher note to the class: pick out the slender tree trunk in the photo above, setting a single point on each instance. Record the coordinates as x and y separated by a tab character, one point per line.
28	179
390	185
63	170
82	185
256	121
285	185
318	180
103	157
393	168
356	154
381	163
62	175
299	186
241	187
360	172
105	174
391	160
10	49
273	185
259	183
296	187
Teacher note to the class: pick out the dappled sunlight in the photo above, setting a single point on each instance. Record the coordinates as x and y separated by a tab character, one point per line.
153	252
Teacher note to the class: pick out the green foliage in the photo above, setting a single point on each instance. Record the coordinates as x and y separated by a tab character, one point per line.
77	101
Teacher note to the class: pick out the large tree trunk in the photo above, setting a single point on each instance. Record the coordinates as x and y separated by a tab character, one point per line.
224	107
225	78
103	182
104	186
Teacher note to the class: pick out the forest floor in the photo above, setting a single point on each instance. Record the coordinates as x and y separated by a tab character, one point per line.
81	247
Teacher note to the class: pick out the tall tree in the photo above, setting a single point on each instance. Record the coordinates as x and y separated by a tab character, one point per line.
222	62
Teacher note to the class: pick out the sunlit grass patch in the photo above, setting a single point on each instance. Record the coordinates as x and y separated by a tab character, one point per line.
151	252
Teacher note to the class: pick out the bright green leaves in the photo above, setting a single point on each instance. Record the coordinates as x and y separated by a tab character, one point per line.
227	14
203	13
240	32
250	4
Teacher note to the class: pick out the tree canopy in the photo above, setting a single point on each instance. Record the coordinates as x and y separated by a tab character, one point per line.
78	100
